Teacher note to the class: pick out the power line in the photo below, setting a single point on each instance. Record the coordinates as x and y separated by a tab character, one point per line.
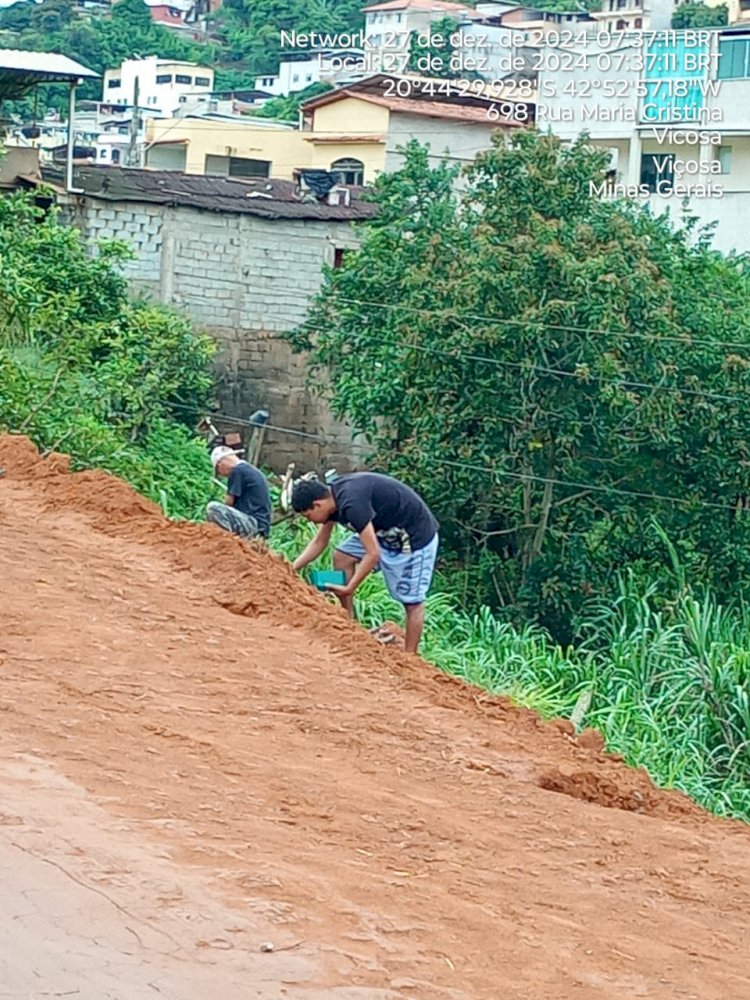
227	417
558	372
592	487
516	476
686	341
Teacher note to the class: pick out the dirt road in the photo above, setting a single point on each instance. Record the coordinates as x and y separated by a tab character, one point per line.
198	755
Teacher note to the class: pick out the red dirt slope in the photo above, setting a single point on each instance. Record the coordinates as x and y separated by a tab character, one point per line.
419	838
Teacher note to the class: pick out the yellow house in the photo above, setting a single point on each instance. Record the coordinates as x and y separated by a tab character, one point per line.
355	132
253	147
455	122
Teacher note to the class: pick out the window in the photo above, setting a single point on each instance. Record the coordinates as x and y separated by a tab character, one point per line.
724	156
113	83
621	25
638	23
734	59
338	256
164	78
202	81
295	78
656	167
102	154
115	155
181	78
239	166
398	18
308	77
348	171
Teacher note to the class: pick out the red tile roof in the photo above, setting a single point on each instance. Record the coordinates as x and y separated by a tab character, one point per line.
437	5
342	138
164	14
415	106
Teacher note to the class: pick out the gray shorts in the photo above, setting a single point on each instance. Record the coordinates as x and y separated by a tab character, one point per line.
231	519
407	575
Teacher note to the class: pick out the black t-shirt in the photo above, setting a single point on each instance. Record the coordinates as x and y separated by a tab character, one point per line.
249	488
402	520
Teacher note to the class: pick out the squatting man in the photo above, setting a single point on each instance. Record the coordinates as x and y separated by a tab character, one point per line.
398	534
246	510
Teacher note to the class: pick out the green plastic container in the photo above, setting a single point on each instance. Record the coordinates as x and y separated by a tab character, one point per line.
319	578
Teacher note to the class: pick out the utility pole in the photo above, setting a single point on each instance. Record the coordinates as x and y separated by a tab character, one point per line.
132	159
71	137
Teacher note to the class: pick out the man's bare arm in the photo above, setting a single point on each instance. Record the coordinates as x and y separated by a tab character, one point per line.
315	548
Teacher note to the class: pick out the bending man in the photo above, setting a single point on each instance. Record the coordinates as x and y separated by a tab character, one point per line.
397	534
246	510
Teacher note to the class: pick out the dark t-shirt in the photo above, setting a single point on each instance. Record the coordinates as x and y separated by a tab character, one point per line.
249	488
402	520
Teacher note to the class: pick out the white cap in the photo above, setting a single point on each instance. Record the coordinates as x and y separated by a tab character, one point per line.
223	451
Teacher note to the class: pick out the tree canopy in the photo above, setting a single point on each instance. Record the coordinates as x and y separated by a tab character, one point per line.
700	15
553	371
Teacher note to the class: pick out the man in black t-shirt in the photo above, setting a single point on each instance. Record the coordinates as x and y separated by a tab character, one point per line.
397	531
246	510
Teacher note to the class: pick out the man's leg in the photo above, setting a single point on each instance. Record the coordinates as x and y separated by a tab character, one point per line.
408	577
347	564
231	520
414	626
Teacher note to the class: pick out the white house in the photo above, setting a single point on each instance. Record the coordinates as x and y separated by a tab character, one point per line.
163	84
314	66
673	114
389	27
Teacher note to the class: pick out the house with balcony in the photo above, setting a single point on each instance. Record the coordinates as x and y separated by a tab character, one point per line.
390	25
160	85
673	115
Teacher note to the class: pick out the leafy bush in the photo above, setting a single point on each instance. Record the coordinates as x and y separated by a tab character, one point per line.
83	369
550	370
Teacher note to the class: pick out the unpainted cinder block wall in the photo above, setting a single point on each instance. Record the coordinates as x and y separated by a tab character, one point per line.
245	280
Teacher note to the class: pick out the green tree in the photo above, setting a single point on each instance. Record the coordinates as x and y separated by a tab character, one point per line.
251	29
432	52
72	308
700	15
287	108
532	357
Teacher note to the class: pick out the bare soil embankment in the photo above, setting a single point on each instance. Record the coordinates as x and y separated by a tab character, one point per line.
257	768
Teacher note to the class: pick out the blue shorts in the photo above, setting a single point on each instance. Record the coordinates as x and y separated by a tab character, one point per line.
407	575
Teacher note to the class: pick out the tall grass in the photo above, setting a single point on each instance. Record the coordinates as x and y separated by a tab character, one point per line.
668	680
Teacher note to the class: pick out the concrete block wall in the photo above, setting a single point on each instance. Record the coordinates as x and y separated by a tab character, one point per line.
138	225
245	280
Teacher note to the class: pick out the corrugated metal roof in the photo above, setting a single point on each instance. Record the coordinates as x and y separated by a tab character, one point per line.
266	197
21	70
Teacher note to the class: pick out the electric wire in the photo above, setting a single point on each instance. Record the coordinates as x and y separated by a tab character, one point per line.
517	476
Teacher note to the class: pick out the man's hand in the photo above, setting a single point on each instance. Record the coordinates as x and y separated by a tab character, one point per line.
339	589
314	549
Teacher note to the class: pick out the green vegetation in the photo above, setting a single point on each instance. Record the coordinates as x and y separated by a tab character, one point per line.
700	15
244	41
433	53
551	371
287	108
115	383
251	30
86	370
97	42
